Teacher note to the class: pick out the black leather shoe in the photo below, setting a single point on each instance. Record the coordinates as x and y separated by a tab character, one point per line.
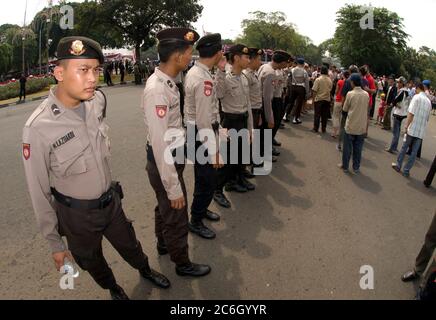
282	126
221	199
248	174
276	143
193	270
212	216
156	278
287	120
409	276
233	186
201	230
247	184
161	249
118	293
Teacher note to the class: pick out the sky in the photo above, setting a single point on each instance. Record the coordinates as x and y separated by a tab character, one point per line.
313	18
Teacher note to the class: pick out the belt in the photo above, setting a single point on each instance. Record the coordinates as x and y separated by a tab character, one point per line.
236	116
101	203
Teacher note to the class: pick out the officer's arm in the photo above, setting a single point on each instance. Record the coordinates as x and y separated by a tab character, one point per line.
267	97
156	111
204	99
220	84
36	164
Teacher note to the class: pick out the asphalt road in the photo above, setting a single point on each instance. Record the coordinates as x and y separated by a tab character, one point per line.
303	234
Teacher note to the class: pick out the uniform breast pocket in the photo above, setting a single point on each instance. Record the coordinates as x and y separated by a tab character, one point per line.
70	159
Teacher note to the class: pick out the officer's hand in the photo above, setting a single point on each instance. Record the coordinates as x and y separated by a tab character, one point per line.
178	203
271	125
59	258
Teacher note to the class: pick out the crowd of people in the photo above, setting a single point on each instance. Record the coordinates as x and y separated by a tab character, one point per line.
223	92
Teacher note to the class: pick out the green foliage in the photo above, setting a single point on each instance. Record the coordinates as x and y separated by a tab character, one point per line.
381	47
140	20
12	90
272	31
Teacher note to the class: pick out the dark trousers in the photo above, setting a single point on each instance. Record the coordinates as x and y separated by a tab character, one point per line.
205	185
277	107
298	95
387	118
353	144
171	225
427	249
232	172
22	93
429	180
122	76
396	132
84	230
257	116
322	112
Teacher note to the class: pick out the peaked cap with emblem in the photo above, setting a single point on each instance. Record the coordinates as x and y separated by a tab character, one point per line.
282	56
210	40
79	48
174	37
255	52
239	49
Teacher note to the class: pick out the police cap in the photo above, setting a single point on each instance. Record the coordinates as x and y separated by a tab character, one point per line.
79	48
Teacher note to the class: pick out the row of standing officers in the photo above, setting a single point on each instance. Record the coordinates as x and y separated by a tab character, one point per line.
66	150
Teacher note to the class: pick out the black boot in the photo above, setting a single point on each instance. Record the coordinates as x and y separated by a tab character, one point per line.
212	216
155	277
247	184
233	186
193	270
117	293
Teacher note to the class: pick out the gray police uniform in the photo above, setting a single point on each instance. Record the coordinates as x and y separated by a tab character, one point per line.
202	112
234	92
163	121
255	96
67	157
299	90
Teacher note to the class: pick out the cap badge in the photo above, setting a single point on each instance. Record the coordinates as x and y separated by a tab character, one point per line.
245	50
77	48
189	36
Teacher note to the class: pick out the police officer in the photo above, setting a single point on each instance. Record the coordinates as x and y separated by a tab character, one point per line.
202	113
166	135
255	89
234	92
300	89
66	155
270	83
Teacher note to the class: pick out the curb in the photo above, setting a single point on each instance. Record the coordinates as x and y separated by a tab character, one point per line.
45	97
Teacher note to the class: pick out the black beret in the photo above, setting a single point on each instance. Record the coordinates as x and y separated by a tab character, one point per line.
255	52
239	49
281	56
175	36
79	48
209	41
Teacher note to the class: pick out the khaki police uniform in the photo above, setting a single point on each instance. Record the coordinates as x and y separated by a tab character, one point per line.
163	121
202	113
299	90
234	92
66	161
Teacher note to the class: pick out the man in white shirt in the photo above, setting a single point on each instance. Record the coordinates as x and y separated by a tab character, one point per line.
417	120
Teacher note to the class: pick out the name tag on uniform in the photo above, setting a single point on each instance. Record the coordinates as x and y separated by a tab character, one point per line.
68	137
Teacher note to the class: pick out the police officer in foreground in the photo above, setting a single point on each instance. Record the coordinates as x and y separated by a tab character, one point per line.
202	113
66	155
166	135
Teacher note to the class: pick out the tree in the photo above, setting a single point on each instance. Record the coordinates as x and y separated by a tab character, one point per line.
272	31
140	20
381	47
